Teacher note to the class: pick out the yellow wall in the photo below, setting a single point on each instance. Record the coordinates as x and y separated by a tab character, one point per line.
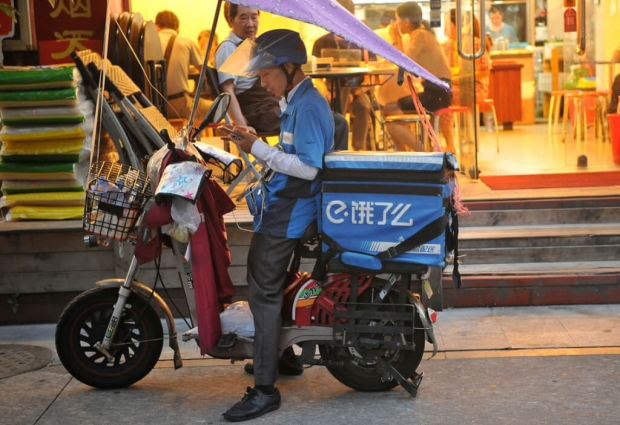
611	33
197	15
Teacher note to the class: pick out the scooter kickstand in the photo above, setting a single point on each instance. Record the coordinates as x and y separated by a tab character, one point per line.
410	386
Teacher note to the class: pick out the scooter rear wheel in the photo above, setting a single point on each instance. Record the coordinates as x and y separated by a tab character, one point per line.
136	347
361	374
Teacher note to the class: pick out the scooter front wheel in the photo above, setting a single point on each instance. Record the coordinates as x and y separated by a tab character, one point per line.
136	347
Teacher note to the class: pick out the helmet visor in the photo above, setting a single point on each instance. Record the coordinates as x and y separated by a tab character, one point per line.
248	58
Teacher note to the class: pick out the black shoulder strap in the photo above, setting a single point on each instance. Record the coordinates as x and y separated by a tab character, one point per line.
169	48
226	41
427	233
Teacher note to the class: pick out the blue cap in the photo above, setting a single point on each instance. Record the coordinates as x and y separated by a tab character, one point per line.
284	46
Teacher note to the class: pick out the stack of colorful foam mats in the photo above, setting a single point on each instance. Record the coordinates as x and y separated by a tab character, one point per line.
45	135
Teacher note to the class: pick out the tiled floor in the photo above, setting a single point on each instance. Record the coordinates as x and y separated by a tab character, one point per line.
527	149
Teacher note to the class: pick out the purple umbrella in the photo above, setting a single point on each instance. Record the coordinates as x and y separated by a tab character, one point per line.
329	14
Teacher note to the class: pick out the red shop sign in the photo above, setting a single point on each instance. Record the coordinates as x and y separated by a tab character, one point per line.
570	20
7	26
70	26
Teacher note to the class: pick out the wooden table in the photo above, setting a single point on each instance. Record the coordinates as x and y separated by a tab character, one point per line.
337	77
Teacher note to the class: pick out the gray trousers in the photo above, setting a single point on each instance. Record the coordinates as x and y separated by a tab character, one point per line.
268	260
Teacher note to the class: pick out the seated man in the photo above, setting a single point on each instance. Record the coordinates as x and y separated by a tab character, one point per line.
251	104
180	53
426	51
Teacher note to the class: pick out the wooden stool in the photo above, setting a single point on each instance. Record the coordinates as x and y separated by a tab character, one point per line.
581	116
411	119
580	120
488	105
554	110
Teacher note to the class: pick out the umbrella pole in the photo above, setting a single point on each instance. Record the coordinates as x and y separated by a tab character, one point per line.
201	79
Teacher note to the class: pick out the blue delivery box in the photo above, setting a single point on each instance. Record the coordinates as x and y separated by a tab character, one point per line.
386	207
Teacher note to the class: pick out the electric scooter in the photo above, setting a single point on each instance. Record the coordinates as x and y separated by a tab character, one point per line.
369	326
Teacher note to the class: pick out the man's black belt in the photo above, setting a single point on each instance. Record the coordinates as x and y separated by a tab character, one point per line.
176	95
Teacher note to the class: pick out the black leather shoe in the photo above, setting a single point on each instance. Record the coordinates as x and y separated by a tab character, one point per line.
253	405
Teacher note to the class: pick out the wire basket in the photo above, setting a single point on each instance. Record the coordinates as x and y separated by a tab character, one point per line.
115	197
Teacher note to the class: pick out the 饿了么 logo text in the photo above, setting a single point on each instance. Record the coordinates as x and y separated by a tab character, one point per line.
371	213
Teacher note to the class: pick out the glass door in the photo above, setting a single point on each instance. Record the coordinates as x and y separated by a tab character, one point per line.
470	61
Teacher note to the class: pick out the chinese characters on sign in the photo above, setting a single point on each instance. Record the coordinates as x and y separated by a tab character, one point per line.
67	27
370	213
570	20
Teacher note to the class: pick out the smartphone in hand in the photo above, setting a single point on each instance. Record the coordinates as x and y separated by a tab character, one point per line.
228	129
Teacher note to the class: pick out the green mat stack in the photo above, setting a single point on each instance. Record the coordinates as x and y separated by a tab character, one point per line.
43	139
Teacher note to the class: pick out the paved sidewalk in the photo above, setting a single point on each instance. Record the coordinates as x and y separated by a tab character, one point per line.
521	365
458	330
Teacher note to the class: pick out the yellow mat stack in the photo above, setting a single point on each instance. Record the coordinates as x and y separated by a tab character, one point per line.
45	136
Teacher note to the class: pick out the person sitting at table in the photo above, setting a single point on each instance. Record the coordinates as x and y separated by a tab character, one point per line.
251	105
387	17
180	53
498	28
203	39
425	50
361	106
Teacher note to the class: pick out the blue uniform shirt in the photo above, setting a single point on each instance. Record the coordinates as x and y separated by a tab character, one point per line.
306	130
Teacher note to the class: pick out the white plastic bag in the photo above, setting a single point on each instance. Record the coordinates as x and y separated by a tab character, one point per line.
185	214
238	319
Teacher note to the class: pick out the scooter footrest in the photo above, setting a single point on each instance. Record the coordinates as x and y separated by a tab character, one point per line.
321	362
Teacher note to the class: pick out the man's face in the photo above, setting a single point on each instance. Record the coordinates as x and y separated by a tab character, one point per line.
273	80
245	24
496	18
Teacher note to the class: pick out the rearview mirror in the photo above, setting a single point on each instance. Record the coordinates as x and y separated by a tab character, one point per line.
216	112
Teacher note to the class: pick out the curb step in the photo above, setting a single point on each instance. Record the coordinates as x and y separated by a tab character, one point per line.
507	269
544	230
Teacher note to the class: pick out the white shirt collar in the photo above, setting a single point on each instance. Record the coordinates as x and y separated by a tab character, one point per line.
284	102
235	38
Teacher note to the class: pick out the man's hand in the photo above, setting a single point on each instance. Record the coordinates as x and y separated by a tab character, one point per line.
241	137
395	35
